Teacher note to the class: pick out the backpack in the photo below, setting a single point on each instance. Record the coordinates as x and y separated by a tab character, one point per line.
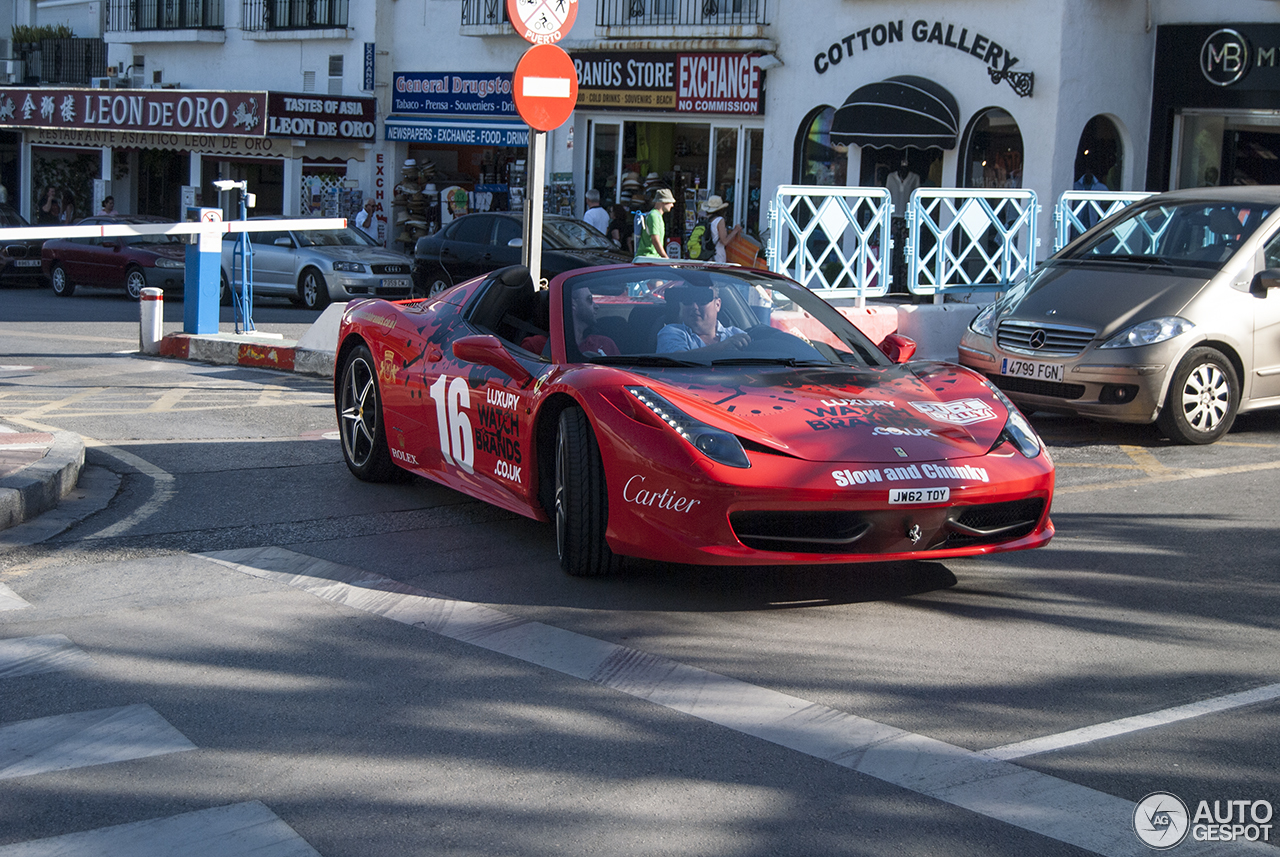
702	241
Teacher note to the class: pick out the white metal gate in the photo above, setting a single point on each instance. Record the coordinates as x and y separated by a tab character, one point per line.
1079	210
979	239
834	240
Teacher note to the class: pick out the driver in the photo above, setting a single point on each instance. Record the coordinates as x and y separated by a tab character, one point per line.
699	328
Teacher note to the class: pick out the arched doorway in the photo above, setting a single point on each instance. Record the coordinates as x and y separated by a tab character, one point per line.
992	151
817	160
1099	156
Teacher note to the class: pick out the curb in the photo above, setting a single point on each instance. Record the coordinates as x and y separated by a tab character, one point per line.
232	350
39	486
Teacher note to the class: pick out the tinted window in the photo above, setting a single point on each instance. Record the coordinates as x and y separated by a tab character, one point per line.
507	229
472	229
1198	234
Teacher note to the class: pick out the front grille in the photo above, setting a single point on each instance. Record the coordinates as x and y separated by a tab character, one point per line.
20	251
1032	387
804	532
1057	340
992	522
391	270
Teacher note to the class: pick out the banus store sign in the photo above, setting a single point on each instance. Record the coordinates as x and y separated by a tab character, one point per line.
669	82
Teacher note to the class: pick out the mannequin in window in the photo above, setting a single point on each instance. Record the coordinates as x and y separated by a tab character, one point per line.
900	184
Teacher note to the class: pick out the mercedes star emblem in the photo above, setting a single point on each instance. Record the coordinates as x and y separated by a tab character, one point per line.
1037	339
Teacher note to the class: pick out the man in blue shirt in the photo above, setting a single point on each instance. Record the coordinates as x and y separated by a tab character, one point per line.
699	329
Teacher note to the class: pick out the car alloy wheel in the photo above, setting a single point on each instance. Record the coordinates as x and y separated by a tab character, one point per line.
581	500
1204	395
360	424
314	290
134	282
60	282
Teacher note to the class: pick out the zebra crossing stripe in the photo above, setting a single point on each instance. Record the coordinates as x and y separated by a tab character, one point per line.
66	741
45	654
240	830
9	599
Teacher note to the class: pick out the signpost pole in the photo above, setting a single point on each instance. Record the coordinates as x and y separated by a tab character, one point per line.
533	206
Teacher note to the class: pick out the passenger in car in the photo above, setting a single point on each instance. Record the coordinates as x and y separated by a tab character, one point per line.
582	308
699	327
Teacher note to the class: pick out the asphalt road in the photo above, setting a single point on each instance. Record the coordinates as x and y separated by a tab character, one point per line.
239	646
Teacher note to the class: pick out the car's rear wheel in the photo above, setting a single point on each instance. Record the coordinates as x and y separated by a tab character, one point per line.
581	500
360	420
1204	395
436	281
313	290
224	290
134	282
60	282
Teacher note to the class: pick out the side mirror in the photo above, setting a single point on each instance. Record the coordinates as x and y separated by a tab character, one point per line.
488	350
282	242
898	348
1264	281
516	242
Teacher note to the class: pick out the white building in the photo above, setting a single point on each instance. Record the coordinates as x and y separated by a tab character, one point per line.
733	97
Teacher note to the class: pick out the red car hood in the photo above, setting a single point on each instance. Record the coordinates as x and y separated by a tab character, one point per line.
922	412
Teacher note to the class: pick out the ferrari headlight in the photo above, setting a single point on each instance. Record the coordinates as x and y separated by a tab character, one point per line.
1149	332
716	444
1017	430
353	267
169	263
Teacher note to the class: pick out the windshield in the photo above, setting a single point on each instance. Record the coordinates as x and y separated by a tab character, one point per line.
334	238
673	316
574	235
1198	234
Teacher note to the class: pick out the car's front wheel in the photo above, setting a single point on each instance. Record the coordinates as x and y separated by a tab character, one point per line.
360	421
313	290
134	282
60	282
224	290
1204	395
581	500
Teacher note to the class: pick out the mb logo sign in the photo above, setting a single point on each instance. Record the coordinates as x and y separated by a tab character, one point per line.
1224	57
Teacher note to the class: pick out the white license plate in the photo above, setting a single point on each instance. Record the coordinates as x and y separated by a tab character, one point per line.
1032	369
26	263
395	284
910	496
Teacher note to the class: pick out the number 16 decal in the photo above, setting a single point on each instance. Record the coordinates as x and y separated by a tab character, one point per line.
456	443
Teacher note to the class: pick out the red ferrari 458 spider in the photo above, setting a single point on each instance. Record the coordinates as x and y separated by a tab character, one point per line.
688	413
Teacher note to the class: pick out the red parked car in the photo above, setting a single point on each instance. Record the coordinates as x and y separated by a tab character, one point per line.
128	262
600	406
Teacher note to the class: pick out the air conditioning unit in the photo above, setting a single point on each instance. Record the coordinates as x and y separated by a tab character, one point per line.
101	82
12	71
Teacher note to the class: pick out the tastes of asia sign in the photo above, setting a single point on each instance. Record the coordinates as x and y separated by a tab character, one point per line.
679	82
241	114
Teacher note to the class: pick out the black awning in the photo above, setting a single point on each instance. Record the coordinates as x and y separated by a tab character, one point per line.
901	112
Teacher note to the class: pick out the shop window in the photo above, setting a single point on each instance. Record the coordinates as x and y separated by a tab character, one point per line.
1099	156
817	160
992	151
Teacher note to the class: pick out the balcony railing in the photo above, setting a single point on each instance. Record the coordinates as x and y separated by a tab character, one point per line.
295	14
65	61
136	15
688	13
482	12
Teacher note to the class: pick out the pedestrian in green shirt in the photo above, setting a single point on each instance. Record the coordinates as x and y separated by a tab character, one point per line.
653	230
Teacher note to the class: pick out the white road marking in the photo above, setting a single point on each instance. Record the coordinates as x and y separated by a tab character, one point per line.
36	655
239	830
9	599
1097	732
1027	799
66	741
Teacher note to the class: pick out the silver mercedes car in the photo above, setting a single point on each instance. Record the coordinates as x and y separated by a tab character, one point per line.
314	267
1163	313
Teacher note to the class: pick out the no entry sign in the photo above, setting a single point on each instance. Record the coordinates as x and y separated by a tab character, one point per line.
545	87
542	22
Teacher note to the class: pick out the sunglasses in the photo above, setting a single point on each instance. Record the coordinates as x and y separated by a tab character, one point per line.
700	297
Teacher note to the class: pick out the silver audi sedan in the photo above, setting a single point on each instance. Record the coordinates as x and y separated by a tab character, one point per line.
314	267
1167	312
